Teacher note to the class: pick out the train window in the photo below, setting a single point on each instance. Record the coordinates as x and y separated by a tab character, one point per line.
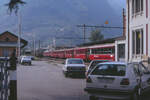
103	51
81	51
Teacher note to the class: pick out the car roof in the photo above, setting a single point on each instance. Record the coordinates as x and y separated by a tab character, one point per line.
118	63
100	60
74	59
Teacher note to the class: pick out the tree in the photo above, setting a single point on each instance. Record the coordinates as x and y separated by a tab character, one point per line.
14	5
96	36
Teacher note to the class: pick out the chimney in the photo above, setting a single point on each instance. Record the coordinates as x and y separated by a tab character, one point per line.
124	23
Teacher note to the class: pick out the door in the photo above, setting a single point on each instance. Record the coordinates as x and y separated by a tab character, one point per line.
5	52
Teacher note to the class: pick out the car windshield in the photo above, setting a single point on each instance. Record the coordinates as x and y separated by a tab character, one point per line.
94	63
75	61
26	58
110	70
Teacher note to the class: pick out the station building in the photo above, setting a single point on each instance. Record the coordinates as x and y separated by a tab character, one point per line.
137	30
9	43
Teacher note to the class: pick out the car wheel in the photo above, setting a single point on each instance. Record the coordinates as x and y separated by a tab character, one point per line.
93	98
66	74
136	95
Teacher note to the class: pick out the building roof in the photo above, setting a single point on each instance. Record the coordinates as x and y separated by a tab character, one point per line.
24	42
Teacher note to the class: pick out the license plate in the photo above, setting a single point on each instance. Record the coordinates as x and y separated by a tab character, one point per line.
105	80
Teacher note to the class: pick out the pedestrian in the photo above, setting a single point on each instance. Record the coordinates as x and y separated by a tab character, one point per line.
13	60
13	76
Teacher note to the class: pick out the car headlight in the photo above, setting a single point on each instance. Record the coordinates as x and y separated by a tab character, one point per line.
111	55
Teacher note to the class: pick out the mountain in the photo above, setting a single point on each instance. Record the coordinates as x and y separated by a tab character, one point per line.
48	19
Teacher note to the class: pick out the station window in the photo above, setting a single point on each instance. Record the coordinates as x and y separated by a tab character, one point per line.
121	50
137	6
137	42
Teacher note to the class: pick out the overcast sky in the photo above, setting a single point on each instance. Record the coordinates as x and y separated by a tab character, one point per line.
7	22
116	4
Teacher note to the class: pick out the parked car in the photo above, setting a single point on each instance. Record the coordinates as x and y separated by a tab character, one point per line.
93	63
26	60
32	57
19	59
74	66
116	80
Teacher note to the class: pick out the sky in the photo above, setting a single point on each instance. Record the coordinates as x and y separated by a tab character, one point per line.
11	25
116	4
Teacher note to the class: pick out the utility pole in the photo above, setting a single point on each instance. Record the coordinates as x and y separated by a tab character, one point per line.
33	43
19	35
84	31
34	47
39	44
54	43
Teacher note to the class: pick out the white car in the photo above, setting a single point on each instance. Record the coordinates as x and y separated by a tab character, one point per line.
26	60
116	80
74	66
93	63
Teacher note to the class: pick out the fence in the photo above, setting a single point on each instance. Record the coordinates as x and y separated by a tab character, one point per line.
4	80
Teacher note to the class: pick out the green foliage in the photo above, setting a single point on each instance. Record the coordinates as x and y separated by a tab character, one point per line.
14	5
96	36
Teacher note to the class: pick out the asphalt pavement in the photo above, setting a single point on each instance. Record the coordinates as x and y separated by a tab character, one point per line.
45	81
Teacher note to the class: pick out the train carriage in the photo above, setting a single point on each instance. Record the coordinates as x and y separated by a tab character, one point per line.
102	52
105	50
69	53
81	53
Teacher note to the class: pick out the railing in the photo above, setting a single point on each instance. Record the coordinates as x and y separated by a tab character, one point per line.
4	80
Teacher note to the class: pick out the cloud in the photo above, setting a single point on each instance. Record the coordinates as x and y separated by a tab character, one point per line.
117	4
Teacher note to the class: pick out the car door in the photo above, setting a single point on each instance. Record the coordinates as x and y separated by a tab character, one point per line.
145	77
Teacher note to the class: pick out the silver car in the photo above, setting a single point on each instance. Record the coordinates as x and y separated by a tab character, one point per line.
117	80
26	60
93	63
74	66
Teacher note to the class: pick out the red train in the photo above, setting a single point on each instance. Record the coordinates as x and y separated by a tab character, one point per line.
99	52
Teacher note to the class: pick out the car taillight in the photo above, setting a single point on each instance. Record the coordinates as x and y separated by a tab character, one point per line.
88	79
125	81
